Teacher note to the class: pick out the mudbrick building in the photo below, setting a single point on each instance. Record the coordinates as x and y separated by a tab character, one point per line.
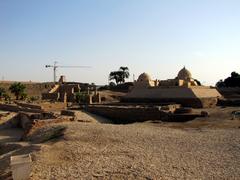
183	90
62	91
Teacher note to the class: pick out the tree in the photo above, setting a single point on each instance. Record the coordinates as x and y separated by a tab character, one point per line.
2	92
17	89
115	75
112	84
220	84
125	73
232	81
234	75
120	75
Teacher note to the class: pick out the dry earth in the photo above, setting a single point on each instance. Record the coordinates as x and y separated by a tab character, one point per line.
92	148
142	151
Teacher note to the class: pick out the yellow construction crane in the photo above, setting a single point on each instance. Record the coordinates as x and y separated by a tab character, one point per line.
55	66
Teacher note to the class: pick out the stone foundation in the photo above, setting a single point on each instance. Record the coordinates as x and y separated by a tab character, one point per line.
186	102
15	108
130	114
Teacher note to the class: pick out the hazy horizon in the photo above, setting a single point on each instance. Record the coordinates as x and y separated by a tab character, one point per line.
156	37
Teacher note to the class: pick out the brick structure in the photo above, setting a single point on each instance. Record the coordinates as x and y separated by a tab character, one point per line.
63	91
183	90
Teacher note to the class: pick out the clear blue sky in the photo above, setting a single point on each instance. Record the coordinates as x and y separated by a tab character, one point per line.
154	36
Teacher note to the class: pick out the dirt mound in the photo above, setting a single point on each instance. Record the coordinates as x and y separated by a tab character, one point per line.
111	96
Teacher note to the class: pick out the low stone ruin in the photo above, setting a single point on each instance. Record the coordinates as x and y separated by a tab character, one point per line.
32	108
62	91
139	113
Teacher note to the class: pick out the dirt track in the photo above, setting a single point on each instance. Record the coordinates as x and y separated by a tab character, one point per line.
139	151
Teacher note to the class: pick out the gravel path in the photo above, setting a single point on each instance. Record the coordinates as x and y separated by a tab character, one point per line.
139	151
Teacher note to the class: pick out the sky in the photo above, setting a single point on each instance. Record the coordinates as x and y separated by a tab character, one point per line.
158	37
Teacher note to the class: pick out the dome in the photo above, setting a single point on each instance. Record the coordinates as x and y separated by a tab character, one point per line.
184	74
144	77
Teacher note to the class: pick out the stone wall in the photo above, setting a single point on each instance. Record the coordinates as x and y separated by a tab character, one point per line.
15	108
32	108
56	106
63	93
186	102
27	105
24	120
127	115
130	114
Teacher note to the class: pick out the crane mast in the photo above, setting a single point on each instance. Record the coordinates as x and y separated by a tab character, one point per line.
55	66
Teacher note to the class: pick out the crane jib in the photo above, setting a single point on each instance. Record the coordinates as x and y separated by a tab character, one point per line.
56	66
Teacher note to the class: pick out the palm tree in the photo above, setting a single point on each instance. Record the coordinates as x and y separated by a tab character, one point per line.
115	75
125	73
17	89
120	75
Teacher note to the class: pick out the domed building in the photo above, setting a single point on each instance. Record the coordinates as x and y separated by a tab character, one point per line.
144	81
184	78
184	74
183	90
144	77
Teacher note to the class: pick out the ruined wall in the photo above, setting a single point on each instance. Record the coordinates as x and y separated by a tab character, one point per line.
128	114
63	92
56	106
186	102
33	108
27	105
15	108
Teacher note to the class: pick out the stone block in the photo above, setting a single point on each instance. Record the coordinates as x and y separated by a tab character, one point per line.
21	167
67	113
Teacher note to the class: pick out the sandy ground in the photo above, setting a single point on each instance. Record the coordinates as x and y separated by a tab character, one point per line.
111	96
144	151
10	144
92	148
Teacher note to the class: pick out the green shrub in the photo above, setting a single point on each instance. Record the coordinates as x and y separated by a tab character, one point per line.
23	96
34	98
6	97
2	92
81	97
18	90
